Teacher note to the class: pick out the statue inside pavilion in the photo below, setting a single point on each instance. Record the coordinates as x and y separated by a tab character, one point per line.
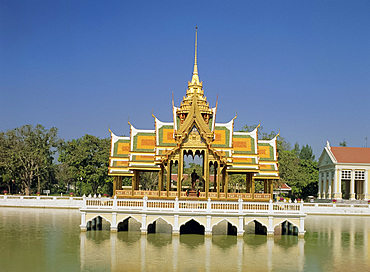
194	132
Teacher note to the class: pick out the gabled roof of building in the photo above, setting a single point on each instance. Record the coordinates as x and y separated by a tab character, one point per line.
351	154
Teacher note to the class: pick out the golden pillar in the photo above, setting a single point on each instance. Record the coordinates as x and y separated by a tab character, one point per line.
137	179
252	189
214	177
206	172
115	185
180	173
226	187
271	183
222	186
218	180
160	179
133	182
249	182
168	177
118	184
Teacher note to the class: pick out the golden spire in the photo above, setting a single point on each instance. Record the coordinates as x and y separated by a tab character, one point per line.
195	77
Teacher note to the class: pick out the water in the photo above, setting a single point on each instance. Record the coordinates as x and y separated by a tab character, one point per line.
50	240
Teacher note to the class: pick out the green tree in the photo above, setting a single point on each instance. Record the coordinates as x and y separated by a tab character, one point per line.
309	178
289	170
26	155
87	158
306	153
344	143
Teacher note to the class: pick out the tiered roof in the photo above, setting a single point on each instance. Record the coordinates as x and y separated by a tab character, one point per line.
194	119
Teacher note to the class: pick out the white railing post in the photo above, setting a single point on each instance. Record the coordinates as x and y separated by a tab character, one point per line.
301	206
145	203
240	205
176	204
5	197
209	207
271	208
83	202
115	202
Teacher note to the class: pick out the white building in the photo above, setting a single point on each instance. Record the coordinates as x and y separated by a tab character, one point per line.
344	172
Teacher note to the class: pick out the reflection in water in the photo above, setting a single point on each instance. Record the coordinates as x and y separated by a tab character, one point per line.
324	248
192	240
224	241
52	237
160	239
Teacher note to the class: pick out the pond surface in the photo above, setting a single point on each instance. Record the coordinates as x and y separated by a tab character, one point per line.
50	240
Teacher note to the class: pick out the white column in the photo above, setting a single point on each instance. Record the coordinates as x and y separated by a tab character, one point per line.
270	229
241	226
323	196
330	185
83	221
301	230
319	192
208	230
143	228
352	195
176	228
334	184
366	184
338	182
113	226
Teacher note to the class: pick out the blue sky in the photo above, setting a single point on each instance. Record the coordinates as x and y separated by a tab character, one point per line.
299	66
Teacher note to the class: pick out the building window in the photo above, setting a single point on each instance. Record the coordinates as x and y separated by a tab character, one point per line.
346	174
360	175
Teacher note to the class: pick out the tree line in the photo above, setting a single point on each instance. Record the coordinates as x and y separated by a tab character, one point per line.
34	159
297	166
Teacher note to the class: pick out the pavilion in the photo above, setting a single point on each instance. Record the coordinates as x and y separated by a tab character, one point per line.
344	173
194	132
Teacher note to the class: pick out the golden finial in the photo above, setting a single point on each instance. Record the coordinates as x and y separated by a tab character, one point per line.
278	133
128	121
195	78
109	129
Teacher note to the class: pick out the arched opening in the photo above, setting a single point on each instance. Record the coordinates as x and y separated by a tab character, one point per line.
129	224
254	227
224	228
288	228
97	223
193	163
159	226
192	227
259	228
